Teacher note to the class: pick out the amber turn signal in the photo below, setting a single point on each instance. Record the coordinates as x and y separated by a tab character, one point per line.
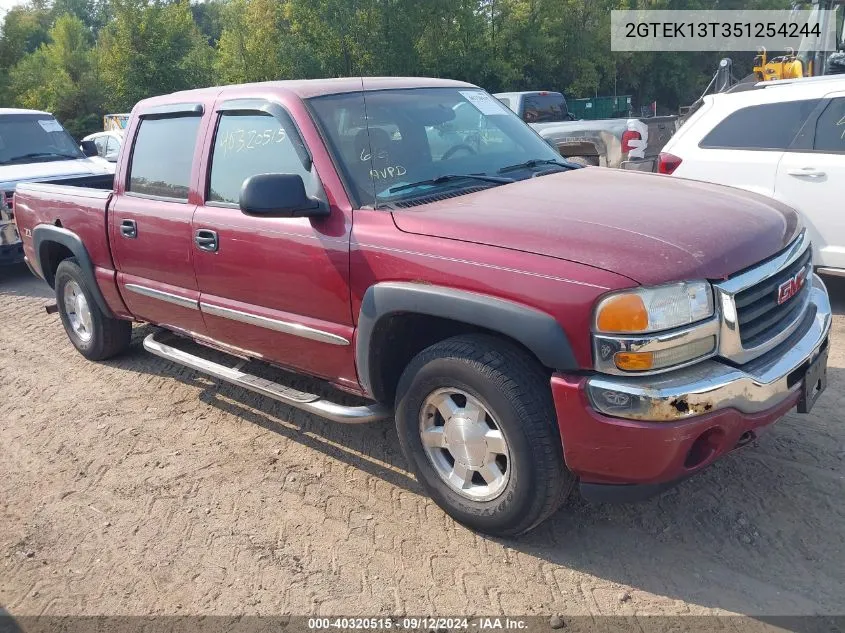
622	313
634	361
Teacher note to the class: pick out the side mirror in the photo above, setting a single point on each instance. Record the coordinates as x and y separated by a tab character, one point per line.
89	148
279	194
111	157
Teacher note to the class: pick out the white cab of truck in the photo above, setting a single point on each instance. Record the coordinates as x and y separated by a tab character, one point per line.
34	147
783	139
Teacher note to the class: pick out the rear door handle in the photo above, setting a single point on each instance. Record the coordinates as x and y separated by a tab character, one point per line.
806	172
206	240
129	229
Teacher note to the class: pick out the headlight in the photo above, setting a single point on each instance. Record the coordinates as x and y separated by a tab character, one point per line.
654	309
652	329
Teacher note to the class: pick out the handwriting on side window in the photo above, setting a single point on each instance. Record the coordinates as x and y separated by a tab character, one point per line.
242	140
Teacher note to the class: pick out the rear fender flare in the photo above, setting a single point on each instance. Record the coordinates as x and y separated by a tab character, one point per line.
43	235
538	331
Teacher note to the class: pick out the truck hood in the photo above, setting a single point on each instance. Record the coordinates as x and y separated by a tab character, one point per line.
652	229
10	175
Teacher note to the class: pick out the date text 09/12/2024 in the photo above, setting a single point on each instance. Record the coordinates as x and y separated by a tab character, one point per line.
417	623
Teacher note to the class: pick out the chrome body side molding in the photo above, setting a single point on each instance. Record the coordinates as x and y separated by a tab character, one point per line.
161	295
286	327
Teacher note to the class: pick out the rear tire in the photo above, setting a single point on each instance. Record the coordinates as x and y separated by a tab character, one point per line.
499	420
95	335
580	160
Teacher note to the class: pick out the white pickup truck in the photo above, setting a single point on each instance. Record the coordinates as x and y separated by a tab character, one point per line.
624	143
34	147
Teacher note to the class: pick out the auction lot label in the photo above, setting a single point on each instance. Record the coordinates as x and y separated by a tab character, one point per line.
744	30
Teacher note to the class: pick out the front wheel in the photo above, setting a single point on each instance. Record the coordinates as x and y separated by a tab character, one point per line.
476	422
95	335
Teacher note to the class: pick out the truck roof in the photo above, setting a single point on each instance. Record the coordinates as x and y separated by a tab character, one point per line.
527	92
306	88
22	111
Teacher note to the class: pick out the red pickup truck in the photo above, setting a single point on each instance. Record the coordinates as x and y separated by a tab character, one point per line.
528	323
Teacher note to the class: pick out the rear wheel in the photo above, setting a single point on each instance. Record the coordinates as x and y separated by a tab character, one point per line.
580	160
95	335
477	424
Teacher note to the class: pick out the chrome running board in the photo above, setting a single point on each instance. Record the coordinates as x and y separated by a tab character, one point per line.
287	395
834	272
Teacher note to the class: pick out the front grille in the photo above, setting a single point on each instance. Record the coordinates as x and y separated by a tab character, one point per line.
760	316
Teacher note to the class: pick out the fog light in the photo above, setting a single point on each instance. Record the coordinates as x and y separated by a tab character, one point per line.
643	361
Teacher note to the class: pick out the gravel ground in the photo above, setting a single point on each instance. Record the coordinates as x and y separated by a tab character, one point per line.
135	486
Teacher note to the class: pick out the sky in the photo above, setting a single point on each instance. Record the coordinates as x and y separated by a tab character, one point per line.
5	5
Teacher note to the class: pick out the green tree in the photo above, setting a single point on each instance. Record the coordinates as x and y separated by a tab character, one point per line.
60	76
151	48
24	29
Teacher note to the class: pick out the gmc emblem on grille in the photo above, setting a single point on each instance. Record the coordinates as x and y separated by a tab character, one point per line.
791	286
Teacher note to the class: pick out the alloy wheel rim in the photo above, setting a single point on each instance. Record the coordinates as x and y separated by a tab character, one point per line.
465	444
78	312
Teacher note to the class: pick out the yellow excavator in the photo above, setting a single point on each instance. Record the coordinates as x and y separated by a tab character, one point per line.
810	60
814	56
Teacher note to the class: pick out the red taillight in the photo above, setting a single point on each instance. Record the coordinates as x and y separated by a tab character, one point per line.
667	163
627	137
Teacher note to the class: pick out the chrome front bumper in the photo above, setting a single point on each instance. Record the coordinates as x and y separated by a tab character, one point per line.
712	385
8	231
9	234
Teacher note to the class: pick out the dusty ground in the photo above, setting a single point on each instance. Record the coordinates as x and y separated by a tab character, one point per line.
137	487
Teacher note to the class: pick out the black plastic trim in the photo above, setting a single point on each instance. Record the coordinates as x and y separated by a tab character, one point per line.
43	234
624	493
536	330
170	109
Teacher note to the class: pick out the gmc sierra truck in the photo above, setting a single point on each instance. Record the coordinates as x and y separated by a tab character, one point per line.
529	323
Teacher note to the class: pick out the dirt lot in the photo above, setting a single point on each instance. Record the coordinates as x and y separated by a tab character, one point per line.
138	487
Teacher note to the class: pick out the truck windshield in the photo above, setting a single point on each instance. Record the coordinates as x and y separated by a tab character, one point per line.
31	138
420	135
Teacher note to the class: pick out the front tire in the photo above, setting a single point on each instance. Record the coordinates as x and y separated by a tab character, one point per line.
477	424
95	335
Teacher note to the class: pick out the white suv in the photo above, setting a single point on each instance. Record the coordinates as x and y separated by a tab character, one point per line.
783	139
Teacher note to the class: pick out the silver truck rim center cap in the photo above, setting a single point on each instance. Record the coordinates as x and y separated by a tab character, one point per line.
464	444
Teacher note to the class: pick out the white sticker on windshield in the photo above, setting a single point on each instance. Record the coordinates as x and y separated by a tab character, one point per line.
50	125
483	102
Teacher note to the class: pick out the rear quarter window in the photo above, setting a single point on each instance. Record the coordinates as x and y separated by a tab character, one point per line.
769	126
162	157
830	128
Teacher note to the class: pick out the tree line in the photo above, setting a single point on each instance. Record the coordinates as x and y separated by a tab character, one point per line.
82	58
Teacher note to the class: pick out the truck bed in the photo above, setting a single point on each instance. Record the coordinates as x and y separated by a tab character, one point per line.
78	205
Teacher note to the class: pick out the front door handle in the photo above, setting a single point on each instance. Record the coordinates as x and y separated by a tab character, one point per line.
806	172
129	229
206	240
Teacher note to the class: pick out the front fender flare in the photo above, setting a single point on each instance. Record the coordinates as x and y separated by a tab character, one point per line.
43	234
538	331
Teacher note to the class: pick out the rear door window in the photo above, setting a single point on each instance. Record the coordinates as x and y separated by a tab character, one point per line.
253	143
830	128
544	108
770	126
162	157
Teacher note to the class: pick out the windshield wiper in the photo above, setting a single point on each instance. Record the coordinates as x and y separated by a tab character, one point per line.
449	177
530	164
39	155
